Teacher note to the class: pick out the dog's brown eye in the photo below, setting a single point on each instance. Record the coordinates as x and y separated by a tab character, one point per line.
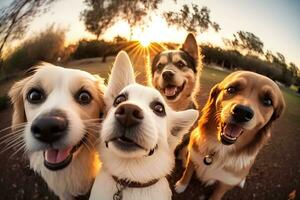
267	101
180	64
121	98
160	66
35	96
158	108
231	90
84	97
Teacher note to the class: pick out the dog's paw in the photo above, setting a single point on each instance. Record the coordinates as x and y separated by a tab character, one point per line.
179	187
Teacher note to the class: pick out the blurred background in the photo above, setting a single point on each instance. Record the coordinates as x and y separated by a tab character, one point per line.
260	36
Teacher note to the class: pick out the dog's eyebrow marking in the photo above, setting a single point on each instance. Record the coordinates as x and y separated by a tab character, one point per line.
177	58
163	60
35	85
239	84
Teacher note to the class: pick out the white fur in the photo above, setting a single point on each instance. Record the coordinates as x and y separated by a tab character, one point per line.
156	130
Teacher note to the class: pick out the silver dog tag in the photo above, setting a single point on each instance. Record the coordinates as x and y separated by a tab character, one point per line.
208	159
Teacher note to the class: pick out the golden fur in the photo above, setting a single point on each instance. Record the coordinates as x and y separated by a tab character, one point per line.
231	164
77	177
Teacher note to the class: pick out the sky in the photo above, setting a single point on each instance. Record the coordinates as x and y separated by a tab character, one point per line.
275	22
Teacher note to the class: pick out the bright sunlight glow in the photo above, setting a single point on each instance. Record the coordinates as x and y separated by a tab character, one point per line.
145	42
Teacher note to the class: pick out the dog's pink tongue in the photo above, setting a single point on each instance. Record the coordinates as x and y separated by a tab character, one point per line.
170	90
57	155
232	130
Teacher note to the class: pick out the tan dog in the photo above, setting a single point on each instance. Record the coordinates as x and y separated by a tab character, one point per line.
56	111
175	73
235	124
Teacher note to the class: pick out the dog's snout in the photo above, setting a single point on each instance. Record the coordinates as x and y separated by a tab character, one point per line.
168	75
242	113
129	115
50	127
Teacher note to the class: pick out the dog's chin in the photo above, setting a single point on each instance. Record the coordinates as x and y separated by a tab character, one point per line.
230	133
58	159
173	92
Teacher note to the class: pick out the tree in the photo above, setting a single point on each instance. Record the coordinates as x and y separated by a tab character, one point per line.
191	19
97	17
246	41
294	69
101	14
15	19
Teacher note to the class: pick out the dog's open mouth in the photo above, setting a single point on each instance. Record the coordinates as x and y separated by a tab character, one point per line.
172	91
57	159
230	133
125	143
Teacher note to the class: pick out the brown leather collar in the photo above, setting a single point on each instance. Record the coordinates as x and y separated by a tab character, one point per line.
133	184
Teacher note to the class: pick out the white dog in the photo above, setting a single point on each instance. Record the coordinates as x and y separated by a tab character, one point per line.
60	109
138	138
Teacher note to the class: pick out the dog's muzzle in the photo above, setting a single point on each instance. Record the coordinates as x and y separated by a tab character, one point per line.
128	118
50	128
230	132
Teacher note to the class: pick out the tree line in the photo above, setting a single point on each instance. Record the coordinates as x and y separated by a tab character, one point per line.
244	50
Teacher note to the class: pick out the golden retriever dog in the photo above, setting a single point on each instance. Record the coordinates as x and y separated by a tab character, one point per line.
56	111
234	126
175	73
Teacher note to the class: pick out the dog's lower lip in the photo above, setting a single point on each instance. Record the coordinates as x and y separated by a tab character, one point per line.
64	163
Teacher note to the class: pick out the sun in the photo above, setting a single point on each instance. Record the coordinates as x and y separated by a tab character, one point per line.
145	41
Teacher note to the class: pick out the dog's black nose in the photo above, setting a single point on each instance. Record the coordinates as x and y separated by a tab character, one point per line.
242	113
50	127
168	75
129	115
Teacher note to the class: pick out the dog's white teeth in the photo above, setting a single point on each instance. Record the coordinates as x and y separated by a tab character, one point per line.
170	91
228	137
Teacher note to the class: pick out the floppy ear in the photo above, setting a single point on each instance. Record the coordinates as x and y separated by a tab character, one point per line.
278	111
121	75
211	98
190	46
16	96
209	108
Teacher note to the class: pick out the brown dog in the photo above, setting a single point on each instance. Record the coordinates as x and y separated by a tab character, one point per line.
234	126
175	74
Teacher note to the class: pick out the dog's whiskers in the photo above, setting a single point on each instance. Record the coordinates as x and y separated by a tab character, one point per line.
13	145
9	135
12	137
14	126
20	147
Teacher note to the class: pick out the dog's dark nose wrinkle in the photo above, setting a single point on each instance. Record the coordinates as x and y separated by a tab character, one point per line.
242	113
49	128
129	115
168	75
